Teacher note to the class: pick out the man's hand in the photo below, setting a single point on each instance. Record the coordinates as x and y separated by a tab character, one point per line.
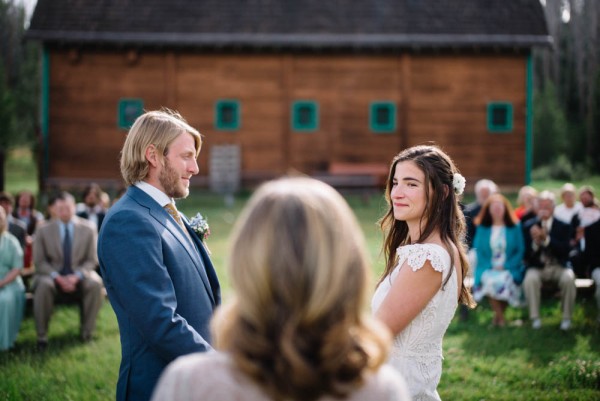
538	235
67	283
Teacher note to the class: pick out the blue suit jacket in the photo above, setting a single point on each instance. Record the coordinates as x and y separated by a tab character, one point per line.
161	285
515	250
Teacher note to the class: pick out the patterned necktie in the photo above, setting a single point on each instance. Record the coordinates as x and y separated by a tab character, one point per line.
172	210
545	257
67	269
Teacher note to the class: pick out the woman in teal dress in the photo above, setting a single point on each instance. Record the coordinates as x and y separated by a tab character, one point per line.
500	248
12	290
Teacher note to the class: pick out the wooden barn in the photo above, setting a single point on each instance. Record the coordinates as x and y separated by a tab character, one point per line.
306	85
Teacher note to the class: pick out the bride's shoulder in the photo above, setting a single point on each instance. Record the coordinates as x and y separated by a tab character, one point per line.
416	255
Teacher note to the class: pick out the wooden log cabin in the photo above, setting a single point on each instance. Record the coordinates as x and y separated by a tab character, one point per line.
297	84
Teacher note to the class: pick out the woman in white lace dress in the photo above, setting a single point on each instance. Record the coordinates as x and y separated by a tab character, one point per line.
422	283
296	328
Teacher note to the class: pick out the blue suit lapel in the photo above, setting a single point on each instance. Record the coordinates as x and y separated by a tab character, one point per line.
208	266
163	218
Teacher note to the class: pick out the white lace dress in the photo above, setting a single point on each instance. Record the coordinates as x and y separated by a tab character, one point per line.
417	350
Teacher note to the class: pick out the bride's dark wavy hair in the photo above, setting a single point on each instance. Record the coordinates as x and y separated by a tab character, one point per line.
442	211
297	324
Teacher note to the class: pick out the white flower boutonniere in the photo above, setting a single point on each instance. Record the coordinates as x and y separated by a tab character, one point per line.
458	182
200	226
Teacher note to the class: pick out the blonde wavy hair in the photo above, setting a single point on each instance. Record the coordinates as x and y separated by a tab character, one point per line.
159	128
297	324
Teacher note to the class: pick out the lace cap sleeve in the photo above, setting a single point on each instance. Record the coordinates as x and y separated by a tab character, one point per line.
417	254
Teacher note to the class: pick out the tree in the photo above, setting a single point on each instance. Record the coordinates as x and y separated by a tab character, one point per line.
19	83
573	68
550	134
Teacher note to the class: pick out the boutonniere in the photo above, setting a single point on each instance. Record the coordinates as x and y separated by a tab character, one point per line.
200	226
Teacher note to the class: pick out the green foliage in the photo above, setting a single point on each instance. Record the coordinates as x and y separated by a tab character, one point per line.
593	143
21	171
575	373
549	127
19	79
7	118
562	169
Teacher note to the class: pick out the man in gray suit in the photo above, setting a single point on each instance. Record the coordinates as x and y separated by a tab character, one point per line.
158	275
64	253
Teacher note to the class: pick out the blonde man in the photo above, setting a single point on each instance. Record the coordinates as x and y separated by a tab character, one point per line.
158	275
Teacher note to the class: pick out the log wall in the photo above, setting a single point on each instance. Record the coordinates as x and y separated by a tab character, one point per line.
439	98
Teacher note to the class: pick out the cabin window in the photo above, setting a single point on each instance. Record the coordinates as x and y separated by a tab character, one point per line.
382	117
227	115
500	117
305	116
128	111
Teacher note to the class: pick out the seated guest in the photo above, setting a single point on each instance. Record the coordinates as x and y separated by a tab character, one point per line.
483	189
296	327
587	215
591	254
590	211
12	290
499	245
15	227
65	257
26	212
91	208
569	206
546	254
525	200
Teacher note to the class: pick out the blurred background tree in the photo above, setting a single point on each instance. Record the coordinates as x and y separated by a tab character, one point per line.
567	91
19	83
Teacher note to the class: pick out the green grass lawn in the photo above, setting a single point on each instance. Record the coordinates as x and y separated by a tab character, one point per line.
481	362
21	171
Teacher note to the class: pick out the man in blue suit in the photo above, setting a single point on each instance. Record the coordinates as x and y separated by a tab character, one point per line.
157	272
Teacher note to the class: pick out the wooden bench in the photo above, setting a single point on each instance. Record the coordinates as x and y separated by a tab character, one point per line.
582	284
378	172
355	178
27	276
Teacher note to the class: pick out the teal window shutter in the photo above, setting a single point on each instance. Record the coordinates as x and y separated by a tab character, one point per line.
305	116
382	117
500	117
128	111
227	115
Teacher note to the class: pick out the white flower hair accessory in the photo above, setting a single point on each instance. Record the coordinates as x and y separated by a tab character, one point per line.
458	182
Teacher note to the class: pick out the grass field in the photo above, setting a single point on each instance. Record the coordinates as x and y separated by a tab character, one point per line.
481	362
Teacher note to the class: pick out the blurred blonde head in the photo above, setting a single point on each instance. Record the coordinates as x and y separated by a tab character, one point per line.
297	324
526	196
159	128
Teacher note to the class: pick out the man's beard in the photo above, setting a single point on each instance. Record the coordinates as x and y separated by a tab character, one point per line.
169	178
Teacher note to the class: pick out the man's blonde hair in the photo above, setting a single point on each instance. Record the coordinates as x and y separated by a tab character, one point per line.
159	128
